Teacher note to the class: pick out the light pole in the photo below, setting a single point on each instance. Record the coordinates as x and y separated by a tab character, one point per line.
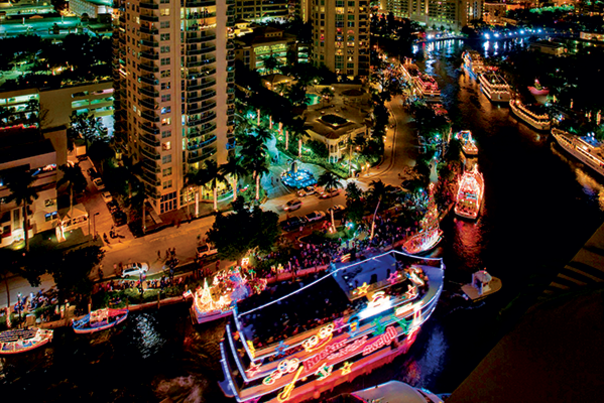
19	307
94	223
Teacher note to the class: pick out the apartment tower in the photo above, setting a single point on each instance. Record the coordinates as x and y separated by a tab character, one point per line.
174	91
449	14
341	36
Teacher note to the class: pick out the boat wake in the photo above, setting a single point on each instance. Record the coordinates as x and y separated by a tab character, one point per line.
185	389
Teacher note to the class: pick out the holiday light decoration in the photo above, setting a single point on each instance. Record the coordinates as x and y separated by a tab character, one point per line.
346	368
362	290
469	196
429	234
468	145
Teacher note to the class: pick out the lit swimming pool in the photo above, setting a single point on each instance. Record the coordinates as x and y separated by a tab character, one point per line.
312	99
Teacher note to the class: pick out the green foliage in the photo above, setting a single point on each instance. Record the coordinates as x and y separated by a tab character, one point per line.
242	232
319	148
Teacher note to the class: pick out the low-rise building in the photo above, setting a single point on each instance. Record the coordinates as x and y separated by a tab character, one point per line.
493	13
91	8
592	36
334	131
41	155
25	8
548	48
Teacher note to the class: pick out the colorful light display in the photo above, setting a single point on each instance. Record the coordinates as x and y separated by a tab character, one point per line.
469	196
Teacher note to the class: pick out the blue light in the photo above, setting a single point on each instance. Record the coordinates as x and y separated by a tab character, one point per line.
496	35
522	32
487	36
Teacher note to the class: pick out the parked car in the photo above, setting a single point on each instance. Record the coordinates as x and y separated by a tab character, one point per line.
98	182
120	218
293	223
292	205
331	193
206	250
134	269
307	191
93	173
107	197
315	216
113	206
337	210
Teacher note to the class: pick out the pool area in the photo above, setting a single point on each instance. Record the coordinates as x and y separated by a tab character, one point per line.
334	121
312	99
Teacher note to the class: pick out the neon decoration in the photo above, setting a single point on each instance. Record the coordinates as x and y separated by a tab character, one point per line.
384	340
362	290
285	367
250	346
379	303
469	196
281	348
285	394
468	145
324	372
334	351
346	368
245	262
319	340
394	278
353	323
378	325
252	370
429	234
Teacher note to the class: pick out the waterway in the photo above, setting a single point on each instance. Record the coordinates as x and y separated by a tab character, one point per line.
540	207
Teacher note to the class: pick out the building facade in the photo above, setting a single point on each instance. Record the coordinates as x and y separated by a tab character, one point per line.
448	14
261	10
493	13
341	36
174	82
91	8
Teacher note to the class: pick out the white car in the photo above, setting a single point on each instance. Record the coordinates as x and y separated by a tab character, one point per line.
107	197
315	216
292	205
331	193
206	250
98	182
307	191
134	269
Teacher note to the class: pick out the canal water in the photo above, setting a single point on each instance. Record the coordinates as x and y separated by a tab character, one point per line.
540	207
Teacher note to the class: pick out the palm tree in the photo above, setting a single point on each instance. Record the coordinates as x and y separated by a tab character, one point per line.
19	183
379	191
330	182
235	169
270	63
254	154
263	133
296	94
326	94
73	176
212	175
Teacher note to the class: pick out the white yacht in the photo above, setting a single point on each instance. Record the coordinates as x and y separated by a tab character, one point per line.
494	86
539	122
586	149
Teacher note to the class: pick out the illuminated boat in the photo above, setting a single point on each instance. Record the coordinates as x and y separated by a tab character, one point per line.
470	193
539	122
429	234
468	144
423	84
395	391
494	86
472	62
217	301
538	89
482	285
586	149
16	341
98	320
285	348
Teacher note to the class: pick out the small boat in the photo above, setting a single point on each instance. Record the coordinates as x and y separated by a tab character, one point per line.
470	193
396	391
429	234
100	319
16	341
468	144
538	89
482	285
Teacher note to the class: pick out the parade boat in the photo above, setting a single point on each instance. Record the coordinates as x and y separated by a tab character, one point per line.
300	340
470	193
472	62
429	234
98	320
538	121
538	89
395	391
586	149
423	84
16	341
482	285
468	144
494	86
217	301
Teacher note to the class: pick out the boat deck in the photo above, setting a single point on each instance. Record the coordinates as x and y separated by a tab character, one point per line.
494	284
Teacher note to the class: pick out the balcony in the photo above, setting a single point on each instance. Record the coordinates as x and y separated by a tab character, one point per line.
200	63
149	5
149	79
199	39
151	154
151	117
196	156
202	132
149	91
203	108
150	55
200	3
197	146
202	120
149	18
205	49
205	84
203	96
149	67
151	166
151	178
149	30
151	44
199	16
194	75
148	103
151	129
150	140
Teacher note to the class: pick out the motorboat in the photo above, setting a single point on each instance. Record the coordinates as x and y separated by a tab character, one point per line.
14	341
100	319
470	194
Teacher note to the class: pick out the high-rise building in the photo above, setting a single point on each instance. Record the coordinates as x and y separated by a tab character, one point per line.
260	10
174	90
449	14
341	36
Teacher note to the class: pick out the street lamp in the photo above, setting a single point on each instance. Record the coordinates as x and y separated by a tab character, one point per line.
94	223
19	307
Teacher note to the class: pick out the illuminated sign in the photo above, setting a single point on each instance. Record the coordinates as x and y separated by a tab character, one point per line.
319	340
346	368
285	367
385	339
324	372
284	395
379	303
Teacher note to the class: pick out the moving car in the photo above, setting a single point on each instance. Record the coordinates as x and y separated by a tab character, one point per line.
331	193
98	182
134	269
293	223
337	210
307	191
107	197
292	205
206	250
315	216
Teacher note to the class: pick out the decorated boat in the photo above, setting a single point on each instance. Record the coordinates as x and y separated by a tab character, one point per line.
396	391
469	194
482	285
16	341
423	84
98	320
429	234
494	86
586	149
472	62
468	144
538	121
305	338
216	301
538	89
